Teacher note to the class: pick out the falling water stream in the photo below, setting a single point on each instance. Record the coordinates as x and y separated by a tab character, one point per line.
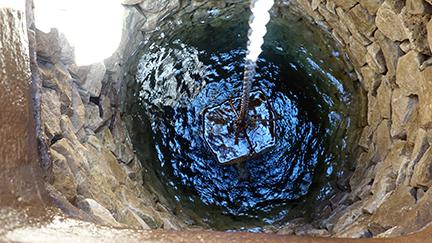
196	60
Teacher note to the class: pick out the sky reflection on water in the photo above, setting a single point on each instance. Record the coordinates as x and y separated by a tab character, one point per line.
177	79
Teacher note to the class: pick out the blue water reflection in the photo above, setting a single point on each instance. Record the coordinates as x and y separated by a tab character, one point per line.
177	78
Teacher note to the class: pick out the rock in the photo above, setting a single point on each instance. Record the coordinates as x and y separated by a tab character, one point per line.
392	211
373	115
315	4
67	207
391	51
106	138
69	134
153	6
361	168
422	175
331	6
426	64
403	161
345	4
306	229
286	230
122	140
406	46
331	18
408	72
348	22
81	135
102	161
139	206
357	229
153	17
91	78
364	175
371	79
93	118
416	219
322	216
399	149
50	104
364	22
382	139
371	6
384	93
57	76
49	45
418	7
64	182
334	217
416	29
129	172
47	76
77	163
353	212
170	224
412	127
79	116
358	51
385	234
385	178
375	58
429	33
67	51
129	218
425	83
420	147
389	22
100	214
402	110
365	138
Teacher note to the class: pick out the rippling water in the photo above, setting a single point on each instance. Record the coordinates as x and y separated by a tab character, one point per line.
177	75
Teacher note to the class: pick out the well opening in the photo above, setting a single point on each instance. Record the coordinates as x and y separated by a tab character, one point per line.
195	60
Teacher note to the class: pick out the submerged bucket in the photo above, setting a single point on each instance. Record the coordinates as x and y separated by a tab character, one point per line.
233	143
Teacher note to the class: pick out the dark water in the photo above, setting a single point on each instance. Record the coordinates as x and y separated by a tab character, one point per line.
176	74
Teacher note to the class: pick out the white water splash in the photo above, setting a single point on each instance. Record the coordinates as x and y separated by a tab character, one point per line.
257	25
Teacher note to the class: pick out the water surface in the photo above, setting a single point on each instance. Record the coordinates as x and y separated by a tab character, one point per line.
188	66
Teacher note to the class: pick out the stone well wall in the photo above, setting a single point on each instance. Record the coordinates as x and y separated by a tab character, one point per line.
388	42
92	172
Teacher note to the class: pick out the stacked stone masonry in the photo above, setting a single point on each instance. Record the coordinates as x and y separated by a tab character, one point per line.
94	165
389	43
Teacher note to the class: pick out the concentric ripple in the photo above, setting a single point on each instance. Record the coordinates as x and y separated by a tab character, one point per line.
177	75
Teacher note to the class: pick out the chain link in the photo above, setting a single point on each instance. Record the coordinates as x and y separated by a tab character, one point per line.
257	20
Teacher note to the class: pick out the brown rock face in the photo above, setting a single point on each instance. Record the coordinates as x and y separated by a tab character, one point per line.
425	83
371	6
418	7
389	22
402	110
49	45
429	33
392	211
408	72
